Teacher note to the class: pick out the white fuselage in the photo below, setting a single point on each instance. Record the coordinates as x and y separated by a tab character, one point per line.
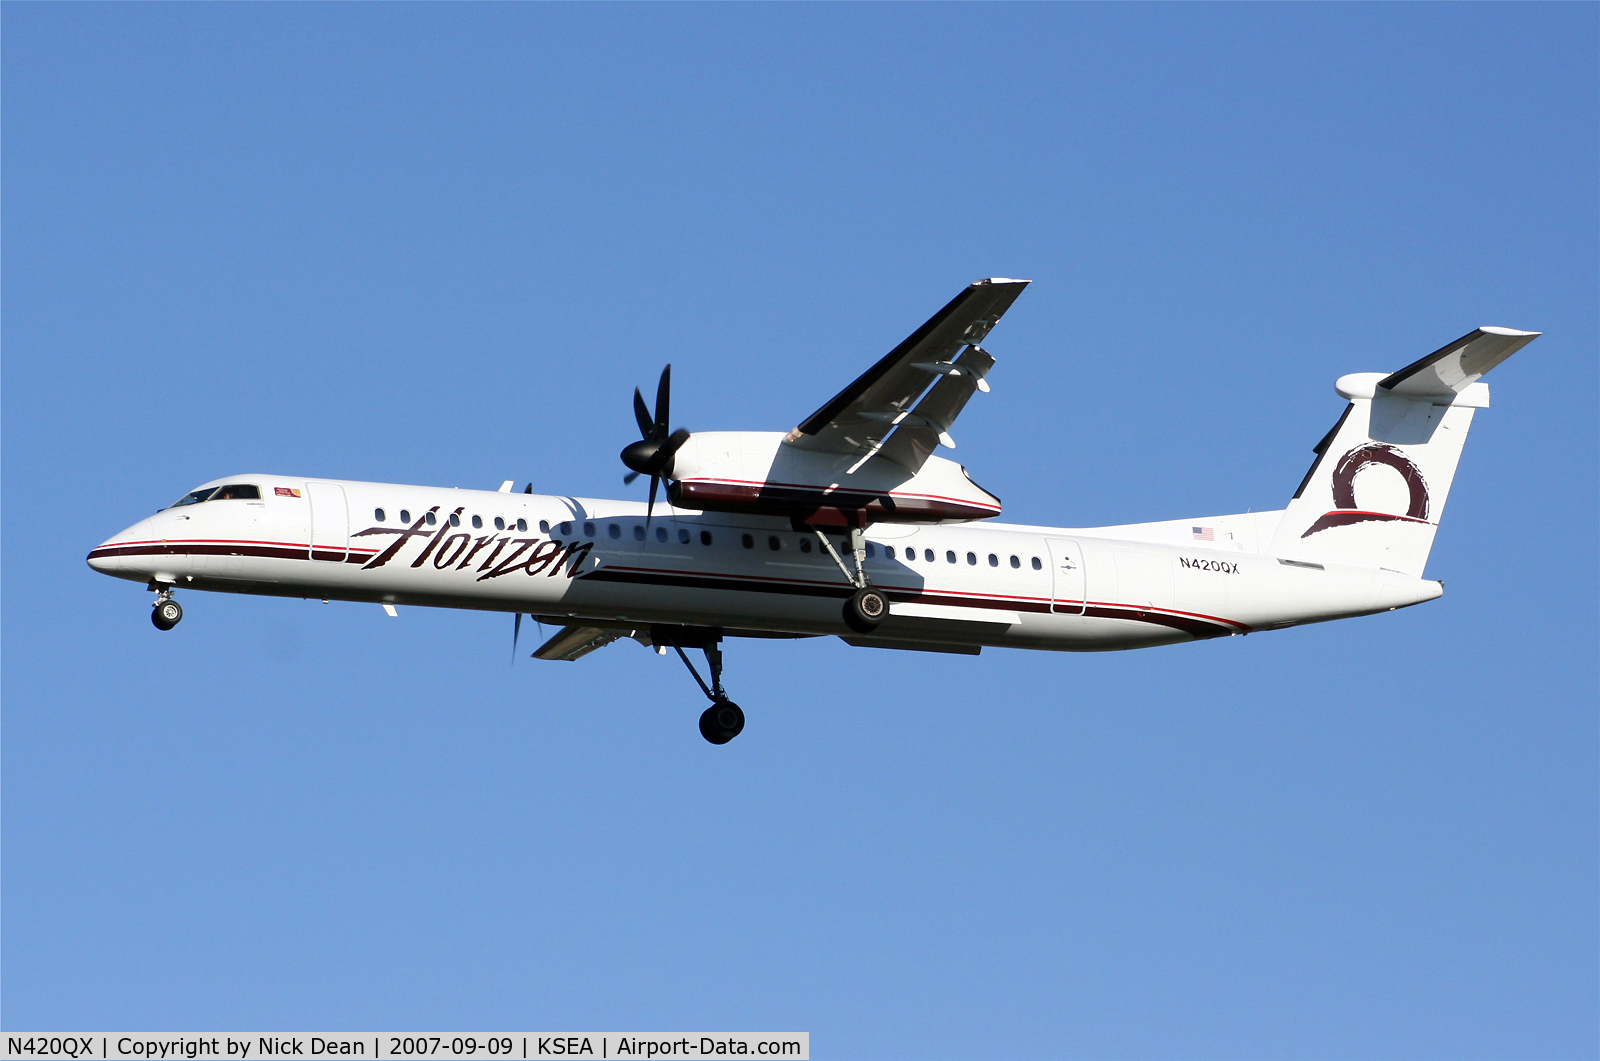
952	587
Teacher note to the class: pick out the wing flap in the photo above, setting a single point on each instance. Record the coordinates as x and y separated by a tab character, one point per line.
859	418
928	425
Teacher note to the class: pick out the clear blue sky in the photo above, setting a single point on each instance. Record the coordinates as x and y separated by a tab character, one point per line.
440	244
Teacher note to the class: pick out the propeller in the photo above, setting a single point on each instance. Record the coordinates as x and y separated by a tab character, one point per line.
652	455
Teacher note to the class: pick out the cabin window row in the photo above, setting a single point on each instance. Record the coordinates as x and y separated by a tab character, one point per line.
906	552
432	519
614	530
774	542
929	556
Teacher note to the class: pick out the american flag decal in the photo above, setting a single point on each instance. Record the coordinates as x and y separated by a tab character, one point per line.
1203	534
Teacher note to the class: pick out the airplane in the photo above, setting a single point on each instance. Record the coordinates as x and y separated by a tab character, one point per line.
849	525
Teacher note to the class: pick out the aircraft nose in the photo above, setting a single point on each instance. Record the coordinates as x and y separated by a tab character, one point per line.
108	557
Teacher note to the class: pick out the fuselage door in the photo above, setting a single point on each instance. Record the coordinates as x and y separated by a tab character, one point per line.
330	522
1066	563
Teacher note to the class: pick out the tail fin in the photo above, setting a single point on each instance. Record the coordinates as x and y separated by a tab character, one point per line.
1374	496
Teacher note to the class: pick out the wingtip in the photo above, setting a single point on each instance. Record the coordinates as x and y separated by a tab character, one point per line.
999	280
1490	330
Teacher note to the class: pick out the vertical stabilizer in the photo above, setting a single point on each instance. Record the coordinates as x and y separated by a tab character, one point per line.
1375	494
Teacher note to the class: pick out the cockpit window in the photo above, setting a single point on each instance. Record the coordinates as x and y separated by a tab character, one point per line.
231	492
194	497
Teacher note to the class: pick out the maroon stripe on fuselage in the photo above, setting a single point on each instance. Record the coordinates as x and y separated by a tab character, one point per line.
275	552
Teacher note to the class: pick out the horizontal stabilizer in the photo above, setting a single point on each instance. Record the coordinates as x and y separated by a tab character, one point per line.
1453	368
572	642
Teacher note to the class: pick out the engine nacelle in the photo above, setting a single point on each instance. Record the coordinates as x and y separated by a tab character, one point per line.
755	471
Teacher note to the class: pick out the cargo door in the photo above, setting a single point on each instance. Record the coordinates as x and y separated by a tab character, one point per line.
330	522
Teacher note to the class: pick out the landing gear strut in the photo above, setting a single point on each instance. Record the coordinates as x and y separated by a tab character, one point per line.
866	607
166	613
724	719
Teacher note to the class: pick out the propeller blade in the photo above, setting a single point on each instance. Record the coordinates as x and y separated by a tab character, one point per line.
655	481
627	480
516	633
641	413
670	447
663	401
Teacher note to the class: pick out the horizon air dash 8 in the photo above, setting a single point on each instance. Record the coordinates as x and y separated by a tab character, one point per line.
849	525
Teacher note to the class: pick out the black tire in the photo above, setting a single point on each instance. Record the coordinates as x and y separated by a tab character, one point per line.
166	615
865	609
721	722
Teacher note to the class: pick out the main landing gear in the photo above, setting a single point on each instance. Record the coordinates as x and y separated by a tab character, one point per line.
866	607
724	719
166	613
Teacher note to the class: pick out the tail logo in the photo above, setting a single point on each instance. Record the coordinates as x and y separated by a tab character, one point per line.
1344	489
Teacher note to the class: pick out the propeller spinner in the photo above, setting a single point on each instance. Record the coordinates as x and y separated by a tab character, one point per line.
652	455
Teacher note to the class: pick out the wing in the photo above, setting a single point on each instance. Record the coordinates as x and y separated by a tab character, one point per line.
880	410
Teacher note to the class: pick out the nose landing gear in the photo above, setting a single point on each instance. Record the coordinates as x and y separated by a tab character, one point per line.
724	719
167	612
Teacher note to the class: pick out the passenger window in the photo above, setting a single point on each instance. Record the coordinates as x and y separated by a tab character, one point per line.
377	514
972	560
994	561
638	533
544	526
749	542
805	545
566	527
661	534
1015	562
499	523
683	536
705	537
405	515
455	519
888	551
588	530
774	542
927	554
872	551
431	519
236	492
949	556
522	525
614	530
1037	566
477	523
